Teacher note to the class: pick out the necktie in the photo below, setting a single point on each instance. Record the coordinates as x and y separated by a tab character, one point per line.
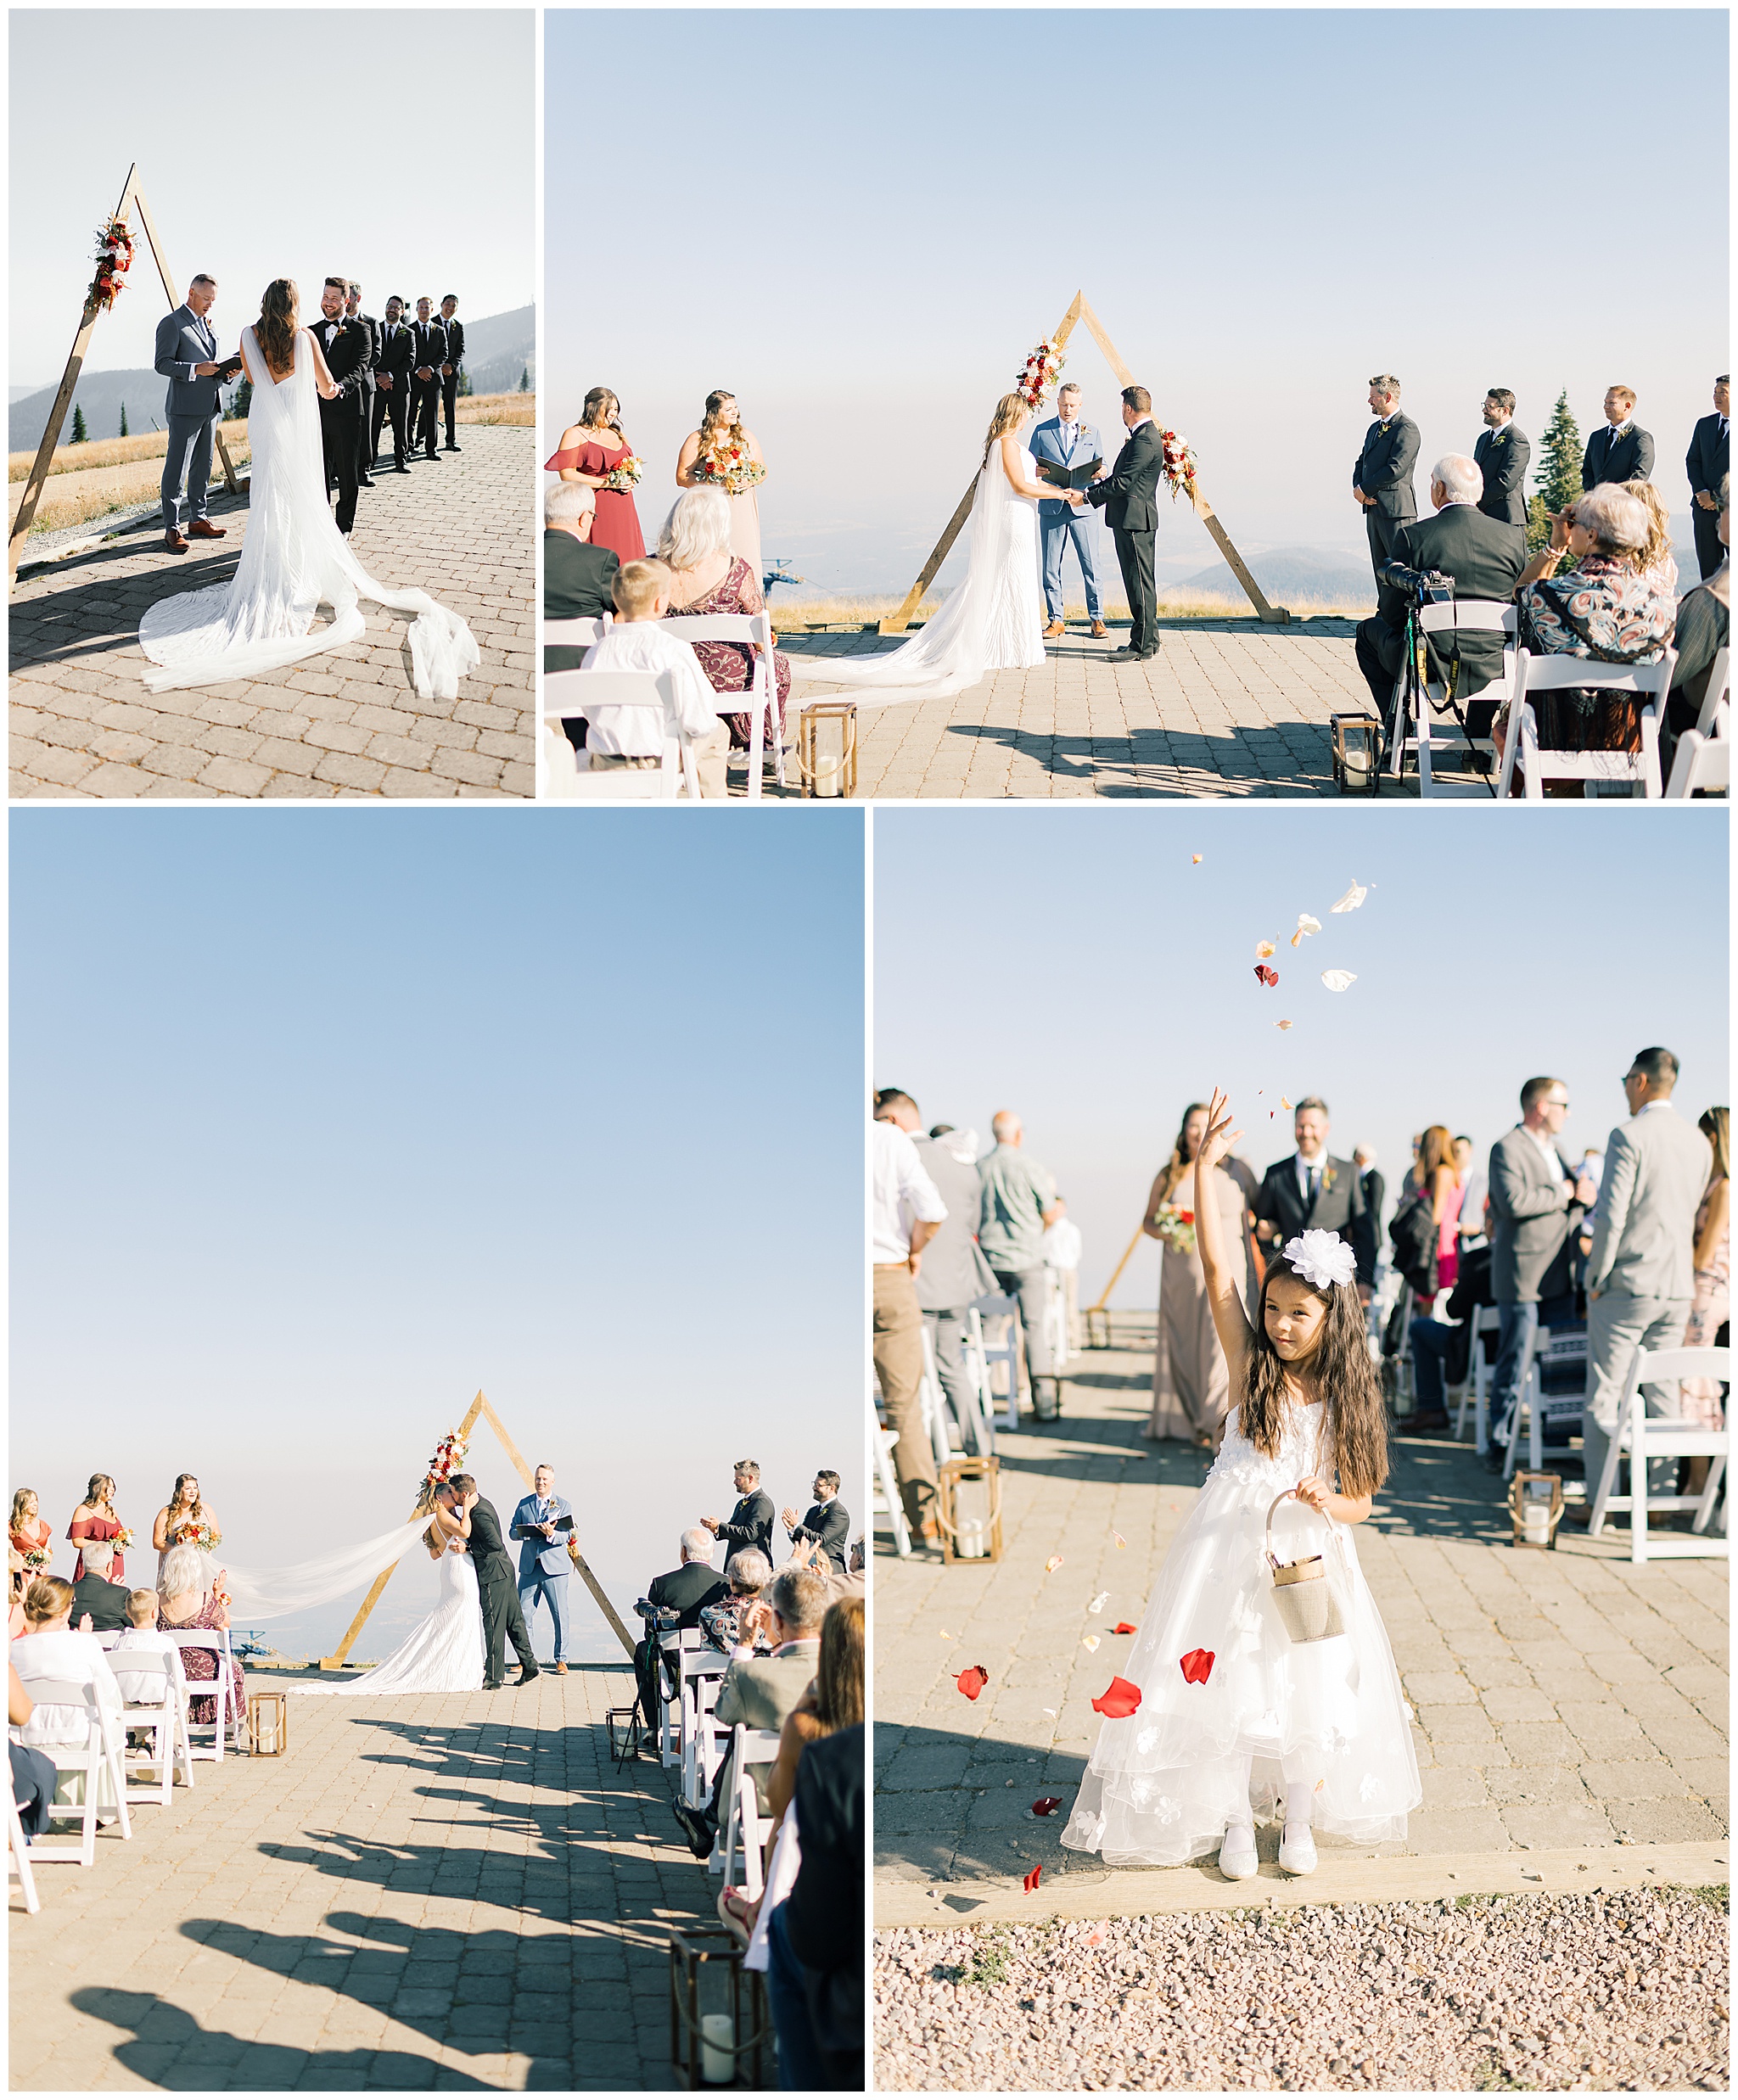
1314	1183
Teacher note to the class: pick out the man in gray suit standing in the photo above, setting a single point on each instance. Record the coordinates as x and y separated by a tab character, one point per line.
1640	1274
1382	479
187	356
1535	1205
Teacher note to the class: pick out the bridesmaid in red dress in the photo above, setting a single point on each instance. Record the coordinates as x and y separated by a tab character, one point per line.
95	1518
590	449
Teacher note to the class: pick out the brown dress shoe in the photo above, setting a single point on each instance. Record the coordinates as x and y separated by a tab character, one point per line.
203	528
1054	629
173	543
561	1669
1099	630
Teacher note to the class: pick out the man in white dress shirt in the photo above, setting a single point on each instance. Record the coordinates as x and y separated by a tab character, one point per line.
1062	1252
634	736
906	1209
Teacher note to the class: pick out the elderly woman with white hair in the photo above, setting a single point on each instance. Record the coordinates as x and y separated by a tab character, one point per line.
191	1599
709	578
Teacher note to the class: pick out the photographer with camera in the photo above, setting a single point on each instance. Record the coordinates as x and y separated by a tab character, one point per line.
1460	553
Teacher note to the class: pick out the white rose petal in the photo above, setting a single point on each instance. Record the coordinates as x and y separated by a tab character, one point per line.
1337	980
1352	897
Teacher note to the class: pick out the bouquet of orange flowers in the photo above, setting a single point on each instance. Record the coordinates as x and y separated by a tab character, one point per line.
122	1540
206	1536
38	1559
626	473
729	465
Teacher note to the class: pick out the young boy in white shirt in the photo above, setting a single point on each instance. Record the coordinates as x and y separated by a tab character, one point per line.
634	736
141	1637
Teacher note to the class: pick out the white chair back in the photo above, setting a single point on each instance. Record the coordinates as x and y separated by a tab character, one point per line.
1702	761
760	702
97	1758
597	696
18	1858
1004	1350
746	1829
575	634
1650	682
155	1692
888	1492
1422	734
1715	699
226	1724
936	1412
1550	1348
1641	1436
1487	1328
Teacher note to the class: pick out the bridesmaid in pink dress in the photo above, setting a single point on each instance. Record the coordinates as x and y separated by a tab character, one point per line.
95	1518
590	449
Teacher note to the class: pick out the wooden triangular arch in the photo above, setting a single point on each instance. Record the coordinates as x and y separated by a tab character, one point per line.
1079	311
480	1406
132	198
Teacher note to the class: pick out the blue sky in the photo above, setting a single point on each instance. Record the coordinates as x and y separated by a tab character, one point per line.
322	1122
1075	965
1283	219
395	193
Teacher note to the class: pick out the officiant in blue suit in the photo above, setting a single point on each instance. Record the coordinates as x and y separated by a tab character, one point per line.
1067	441
544	1521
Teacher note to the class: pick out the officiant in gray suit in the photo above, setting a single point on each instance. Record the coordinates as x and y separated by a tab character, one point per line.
1065	443
187	356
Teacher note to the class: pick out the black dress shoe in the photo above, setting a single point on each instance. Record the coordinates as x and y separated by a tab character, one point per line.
1141	655
400	468
451	448
363	481
695	1828
1125	656
493	1684
525	1677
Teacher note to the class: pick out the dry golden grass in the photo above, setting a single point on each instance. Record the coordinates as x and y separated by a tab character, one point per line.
72	459
77	498
794	615
498	408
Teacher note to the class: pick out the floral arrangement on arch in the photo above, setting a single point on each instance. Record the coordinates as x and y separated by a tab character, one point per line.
1039	374
1176	1228
728	464
449	1458
626	473
113	260
1179	468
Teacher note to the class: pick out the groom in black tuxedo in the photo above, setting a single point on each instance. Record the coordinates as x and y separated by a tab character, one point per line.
502	1618
346	346
1129	496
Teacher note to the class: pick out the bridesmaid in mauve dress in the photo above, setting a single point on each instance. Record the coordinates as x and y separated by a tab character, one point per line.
95	1518
723	422
1190	1383
589	450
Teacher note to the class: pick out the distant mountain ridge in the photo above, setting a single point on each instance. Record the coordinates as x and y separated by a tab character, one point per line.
498	350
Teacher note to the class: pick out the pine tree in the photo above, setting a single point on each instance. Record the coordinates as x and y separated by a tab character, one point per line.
1557	478
243	400
464	385
123	419
525	379
79	434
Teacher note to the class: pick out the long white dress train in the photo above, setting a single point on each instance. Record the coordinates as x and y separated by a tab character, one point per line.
293	559
1326	1719
992	620
443	1654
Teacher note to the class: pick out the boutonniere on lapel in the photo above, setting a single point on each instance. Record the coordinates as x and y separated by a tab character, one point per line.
1383	426
1499	437
1327	1180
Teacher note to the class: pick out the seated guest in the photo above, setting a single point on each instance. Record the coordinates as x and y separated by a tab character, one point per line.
827	1524
1440	1352
747	1573
50	1648
751	1520
1704	621
707	578
1602	606
759	1691
685	1590
34	1776
192	1601
1655	559
577	576
141	1637
815	1938
93	1592
635	736
834	1701
1483	555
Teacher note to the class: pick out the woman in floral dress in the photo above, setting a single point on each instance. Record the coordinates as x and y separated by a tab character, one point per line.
190	1599
590	451
708	577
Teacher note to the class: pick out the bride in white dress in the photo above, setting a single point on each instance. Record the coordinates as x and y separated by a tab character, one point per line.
293	559
992	620
445	1652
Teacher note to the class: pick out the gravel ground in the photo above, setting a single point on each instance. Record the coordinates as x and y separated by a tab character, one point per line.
1624	1991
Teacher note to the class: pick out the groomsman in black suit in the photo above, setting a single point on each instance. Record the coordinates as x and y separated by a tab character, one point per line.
1129	497
450	370
827	1524
344	343
1311	1191
1622	451
1705	464
498	1584
751	1520
364	446
1501	454
392	384
429	354
1382	479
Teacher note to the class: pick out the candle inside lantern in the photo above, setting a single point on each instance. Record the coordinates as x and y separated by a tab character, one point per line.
718	2063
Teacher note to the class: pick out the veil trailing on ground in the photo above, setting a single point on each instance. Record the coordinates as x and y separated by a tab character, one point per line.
275	1592
949	653
293	559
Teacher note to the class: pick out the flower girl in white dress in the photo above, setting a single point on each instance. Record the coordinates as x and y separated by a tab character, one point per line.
1237	1713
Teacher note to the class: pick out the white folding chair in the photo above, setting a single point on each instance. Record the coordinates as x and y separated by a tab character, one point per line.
1641	1436
746	1829
702	1673
888	1492
977	1429
598	695
1532	1400
97	1757
1702	761
1651	682
575	634
1056	1318
226	1726
1714	719
670	1711
760	701
164	1719
935	1408
18	1858
107	1639
1422	734
1005	1351
1476	1386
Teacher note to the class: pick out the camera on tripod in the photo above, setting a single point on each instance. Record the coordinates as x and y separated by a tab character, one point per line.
660	1618
1423	586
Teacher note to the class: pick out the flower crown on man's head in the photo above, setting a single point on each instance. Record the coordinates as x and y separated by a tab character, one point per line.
1321	1259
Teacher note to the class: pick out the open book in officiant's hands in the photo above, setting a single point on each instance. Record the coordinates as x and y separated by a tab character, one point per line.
1062	477
228	367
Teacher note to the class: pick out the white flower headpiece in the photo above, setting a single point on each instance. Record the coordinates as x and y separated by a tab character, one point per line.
1321	1259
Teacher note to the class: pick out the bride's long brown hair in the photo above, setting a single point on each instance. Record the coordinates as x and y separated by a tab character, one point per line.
1010	413
275	328
1356	1418
425	1507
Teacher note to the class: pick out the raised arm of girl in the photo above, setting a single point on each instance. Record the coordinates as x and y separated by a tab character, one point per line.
1230	1322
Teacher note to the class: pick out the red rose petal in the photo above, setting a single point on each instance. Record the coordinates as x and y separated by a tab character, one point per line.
1031	1881
971	1682
1122	1625
1048	1805
1120	1700
1198	1664
1269	977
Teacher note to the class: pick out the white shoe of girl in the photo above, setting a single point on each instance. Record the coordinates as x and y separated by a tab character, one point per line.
1297	1850
1237	1860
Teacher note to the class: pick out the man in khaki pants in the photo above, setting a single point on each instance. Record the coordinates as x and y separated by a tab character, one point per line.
907	1208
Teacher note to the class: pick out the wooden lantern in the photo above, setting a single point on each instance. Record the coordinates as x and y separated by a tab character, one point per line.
1357	754
716	2034
826	749
1536	1505
968	1509
268	1723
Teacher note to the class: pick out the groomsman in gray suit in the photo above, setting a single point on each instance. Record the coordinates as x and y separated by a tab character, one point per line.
1622	451
187	356
1065	442
1640	1274
1381	480
1501	454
